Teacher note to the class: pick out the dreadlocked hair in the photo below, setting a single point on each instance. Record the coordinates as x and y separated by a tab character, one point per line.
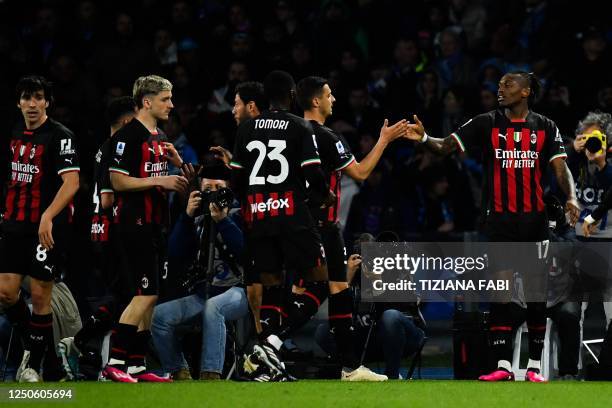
534	84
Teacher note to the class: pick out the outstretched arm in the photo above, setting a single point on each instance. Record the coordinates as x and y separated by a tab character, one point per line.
362	170
416	132
566	183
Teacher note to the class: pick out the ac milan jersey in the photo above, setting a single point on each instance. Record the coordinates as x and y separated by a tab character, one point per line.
272	150
38	159
516	154
100	222
335	157
139	153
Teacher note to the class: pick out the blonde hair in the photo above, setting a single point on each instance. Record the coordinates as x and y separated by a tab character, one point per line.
149	85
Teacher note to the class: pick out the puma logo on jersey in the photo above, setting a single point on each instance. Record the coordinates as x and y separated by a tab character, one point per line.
68	160
49	268
298	304
265	321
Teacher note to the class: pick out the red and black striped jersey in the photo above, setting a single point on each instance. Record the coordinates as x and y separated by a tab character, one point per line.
515	154
101	218
272	150
335	157
136	152
37	160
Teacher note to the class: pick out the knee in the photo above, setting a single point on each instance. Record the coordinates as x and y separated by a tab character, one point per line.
212	307
390	318
8	297
337	287
41	297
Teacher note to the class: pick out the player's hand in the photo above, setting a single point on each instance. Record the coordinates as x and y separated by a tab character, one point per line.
45	237
390	133
598	158
172	155
216	213
351	266
222	154
188	171
572	208
588	228
579	143
194	202
329	200
179	184
416	130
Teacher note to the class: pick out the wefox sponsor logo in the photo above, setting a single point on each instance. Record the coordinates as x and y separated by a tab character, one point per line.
270	204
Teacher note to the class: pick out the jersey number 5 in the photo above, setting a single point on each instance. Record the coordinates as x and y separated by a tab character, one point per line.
277	147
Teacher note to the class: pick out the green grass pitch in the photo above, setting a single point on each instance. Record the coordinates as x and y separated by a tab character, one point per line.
316	394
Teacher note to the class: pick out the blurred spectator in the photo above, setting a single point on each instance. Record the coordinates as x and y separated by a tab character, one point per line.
453	110
488	97
221	100
471	16
401	89
429	102
165	47
124	57
454	66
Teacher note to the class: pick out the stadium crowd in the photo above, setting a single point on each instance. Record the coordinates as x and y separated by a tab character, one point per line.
440	60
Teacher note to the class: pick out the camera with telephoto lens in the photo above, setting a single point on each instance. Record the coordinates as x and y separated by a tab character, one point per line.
596	142
222	198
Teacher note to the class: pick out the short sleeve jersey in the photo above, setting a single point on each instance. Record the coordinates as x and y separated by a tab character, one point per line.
136	152
37	160
335	156
515	154
101	218
272	149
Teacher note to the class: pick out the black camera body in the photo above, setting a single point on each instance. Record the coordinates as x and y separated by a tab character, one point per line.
222	198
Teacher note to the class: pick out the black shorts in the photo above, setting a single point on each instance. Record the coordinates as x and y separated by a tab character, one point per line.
21	253
516	228
527	253
300	251
142	256
335	252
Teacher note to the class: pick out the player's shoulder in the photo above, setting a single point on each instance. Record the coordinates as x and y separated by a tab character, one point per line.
58	128
542	120
131	131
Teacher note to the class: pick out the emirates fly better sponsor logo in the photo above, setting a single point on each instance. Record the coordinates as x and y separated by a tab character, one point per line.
22	172
156	169
516	159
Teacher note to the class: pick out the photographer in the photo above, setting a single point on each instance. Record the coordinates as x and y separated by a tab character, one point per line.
589	165
593	172
398	330
219	294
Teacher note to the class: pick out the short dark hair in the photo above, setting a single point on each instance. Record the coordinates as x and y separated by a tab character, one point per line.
251	91
118	107
29	85
278	86
533	82
309	88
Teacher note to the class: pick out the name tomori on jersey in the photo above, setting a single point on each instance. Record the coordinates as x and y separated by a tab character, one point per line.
271	124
